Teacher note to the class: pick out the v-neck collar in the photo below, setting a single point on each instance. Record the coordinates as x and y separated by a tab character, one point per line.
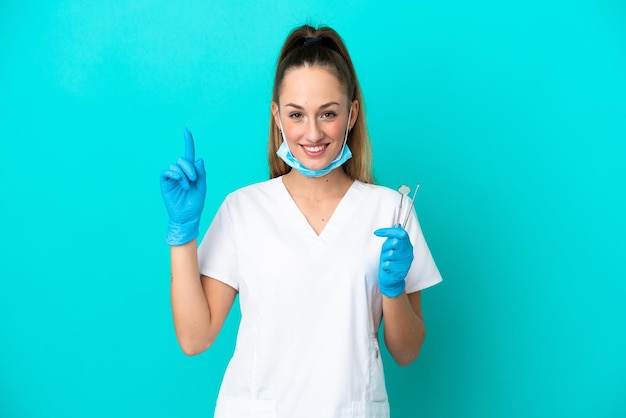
346	207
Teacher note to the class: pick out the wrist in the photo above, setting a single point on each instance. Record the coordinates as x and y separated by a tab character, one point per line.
392	290
181	233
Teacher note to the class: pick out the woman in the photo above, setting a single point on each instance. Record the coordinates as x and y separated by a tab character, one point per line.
304	251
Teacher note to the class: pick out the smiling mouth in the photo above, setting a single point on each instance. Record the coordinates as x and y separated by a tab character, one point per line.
314	149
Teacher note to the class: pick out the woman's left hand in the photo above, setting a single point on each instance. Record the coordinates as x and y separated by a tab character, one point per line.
396	257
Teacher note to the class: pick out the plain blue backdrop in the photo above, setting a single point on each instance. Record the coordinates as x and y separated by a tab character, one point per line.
512	116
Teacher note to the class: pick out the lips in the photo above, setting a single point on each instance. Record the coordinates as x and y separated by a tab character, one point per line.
314	150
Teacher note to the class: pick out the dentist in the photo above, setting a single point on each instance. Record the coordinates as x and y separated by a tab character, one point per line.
311	252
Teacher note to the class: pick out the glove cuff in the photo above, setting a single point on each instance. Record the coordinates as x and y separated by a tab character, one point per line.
393	291
179	234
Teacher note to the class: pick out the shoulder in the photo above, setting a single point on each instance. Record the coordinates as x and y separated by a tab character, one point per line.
267	189
376	191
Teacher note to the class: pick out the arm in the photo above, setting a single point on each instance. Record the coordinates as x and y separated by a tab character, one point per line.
404	329
200	304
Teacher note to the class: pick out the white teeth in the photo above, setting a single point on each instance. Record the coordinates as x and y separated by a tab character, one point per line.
315	149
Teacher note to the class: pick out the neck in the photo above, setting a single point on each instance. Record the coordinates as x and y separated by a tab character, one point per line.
329	185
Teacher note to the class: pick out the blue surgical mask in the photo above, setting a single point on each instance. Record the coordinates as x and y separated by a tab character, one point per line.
285	154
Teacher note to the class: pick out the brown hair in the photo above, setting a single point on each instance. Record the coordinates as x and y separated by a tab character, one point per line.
323	47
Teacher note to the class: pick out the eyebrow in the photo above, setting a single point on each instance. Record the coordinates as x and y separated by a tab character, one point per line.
324	106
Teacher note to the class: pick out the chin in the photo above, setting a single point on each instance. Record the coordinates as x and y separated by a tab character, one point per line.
316	166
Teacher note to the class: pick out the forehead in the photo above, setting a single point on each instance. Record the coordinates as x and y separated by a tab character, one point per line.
311	85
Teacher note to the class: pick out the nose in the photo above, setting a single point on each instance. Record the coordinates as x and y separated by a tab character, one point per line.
313	131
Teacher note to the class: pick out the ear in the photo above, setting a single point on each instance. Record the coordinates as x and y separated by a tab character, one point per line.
355	113
274	109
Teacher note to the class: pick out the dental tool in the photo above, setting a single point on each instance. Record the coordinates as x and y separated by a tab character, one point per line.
403	190
408	212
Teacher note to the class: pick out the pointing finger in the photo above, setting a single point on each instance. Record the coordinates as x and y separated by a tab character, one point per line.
190	151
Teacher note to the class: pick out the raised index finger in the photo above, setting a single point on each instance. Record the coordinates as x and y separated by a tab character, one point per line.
190	151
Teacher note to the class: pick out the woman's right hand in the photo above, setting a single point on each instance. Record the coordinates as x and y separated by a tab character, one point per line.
183	187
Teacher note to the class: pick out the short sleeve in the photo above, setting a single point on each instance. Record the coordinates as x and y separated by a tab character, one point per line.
217	255
423	272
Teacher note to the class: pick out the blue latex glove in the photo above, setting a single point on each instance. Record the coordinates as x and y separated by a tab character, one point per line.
396	257
183	188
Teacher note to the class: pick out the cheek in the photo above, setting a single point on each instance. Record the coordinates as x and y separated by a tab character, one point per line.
293	132
336	130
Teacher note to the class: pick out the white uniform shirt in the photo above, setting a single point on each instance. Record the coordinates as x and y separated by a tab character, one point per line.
310	306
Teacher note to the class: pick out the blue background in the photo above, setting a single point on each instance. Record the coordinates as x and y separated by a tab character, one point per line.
512	116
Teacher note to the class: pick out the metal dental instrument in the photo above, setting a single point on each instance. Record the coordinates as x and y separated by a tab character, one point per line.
408	212
404	190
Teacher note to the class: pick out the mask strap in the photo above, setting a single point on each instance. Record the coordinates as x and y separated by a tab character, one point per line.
345	138
280	125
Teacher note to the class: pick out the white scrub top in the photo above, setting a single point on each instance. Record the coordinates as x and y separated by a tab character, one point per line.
310	306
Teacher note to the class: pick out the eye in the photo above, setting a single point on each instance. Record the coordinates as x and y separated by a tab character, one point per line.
295	115
328	115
